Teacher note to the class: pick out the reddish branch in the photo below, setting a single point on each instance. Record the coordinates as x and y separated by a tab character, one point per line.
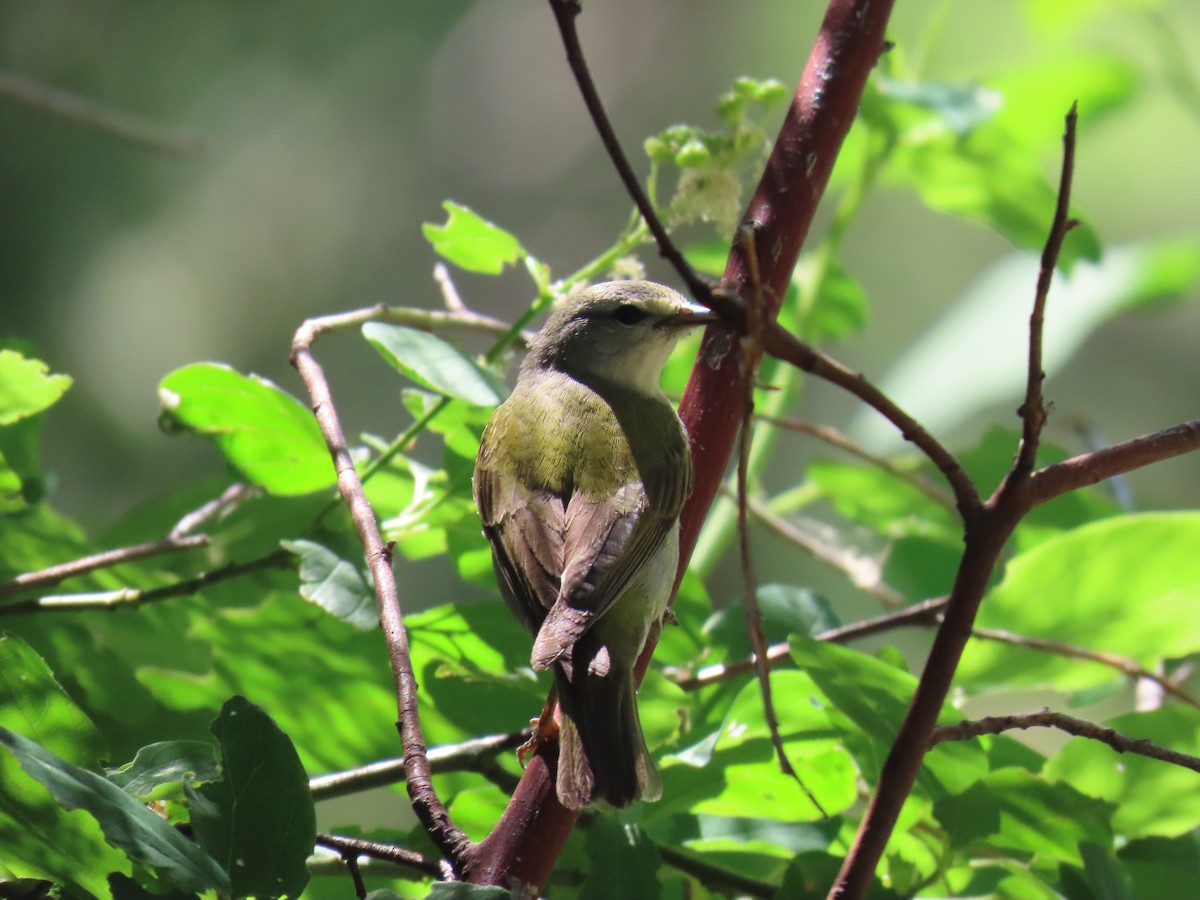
526	842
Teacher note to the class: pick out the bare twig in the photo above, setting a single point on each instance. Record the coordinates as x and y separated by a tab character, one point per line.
353	847
1079	727
565	12
919	615
714	876
423	319
835	438
865	574
467	756
51	576
1033	411
425	801
1123	664
117	123
131	598
450	296
218	507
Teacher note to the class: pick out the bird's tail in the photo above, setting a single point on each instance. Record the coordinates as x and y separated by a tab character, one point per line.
603	756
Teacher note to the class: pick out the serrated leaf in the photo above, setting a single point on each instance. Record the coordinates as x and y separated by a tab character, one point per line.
785	610
26	386
34	704
258	820
334	584
126	823
471	242
267	435
435	364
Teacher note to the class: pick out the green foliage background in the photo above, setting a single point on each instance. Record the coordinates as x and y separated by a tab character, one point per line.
332	133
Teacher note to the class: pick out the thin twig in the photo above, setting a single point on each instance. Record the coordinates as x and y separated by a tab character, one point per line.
865	574
423	319
835	438
450	296
467	756
132	598
789	348
388	853
115	122
714	876
218	507
752	353
52	575
1092	468
425	801
1123	664
1033	411
919	615
967	730
565	12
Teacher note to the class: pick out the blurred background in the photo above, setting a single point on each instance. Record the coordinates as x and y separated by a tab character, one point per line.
330	131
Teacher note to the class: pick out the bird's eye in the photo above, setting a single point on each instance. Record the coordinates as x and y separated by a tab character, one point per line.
628	314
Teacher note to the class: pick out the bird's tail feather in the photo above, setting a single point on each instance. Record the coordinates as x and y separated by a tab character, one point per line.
603	756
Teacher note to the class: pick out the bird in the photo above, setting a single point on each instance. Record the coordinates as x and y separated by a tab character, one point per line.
580	479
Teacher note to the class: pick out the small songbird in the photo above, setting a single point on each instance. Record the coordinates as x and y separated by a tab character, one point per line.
580	478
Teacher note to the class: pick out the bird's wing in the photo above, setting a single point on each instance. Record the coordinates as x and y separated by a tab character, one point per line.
607	542
526	530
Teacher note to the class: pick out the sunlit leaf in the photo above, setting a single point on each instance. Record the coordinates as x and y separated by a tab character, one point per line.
126	823
334	584
33	704
266	435
435	364
471	242
1121	585
26	386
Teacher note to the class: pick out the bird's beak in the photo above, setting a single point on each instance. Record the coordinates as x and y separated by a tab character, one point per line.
692	316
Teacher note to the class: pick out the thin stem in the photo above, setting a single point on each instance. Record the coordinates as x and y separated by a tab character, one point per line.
425	801
348	846
114	122
1033	411
1078	727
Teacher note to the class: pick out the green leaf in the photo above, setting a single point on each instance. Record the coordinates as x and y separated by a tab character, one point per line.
1121	585
435	364
867	702
1164	867
624	862
33	704
26	386
22	482
1151	797
258	820
460	890
42	840
874	497
334	584
267	435
1105	875
126	823
839	309
986	332
1017	811
785	609
159	771
471	242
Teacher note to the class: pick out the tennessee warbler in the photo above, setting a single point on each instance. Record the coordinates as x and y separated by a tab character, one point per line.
579	481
